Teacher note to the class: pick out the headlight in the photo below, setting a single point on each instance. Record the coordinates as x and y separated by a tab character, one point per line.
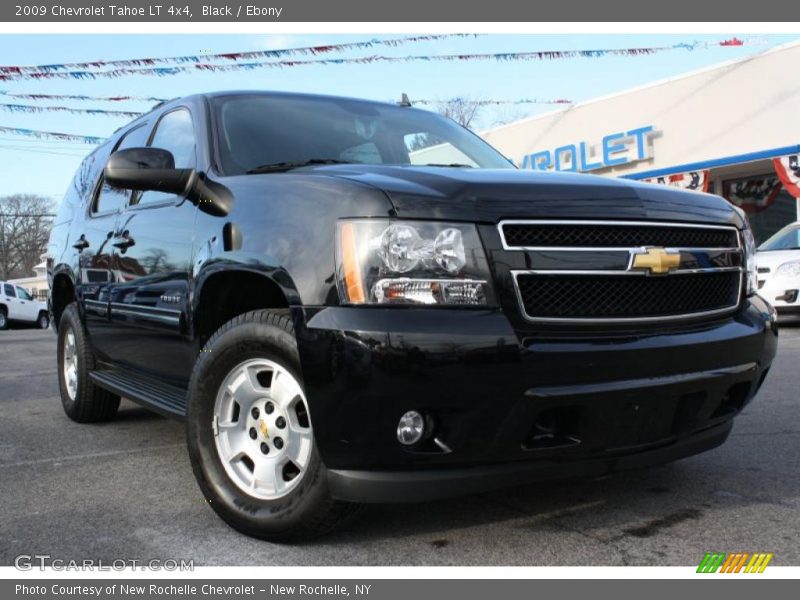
750	259
790	269
411	262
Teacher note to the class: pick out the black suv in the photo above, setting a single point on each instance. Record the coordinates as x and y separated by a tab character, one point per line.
351	301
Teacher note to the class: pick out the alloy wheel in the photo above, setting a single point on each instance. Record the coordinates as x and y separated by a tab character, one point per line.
70	364
262	429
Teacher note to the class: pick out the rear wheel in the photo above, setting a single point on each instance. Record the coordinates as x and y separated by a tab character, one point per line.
3	319
250	434
82	400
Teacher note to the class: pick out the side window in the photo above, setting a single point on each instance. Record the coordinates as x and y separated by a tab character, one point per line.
175	133
9	290
110	198
23	294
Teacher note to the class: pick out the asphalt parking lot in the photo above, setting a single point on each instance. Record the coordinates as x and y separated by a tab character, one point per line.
124	490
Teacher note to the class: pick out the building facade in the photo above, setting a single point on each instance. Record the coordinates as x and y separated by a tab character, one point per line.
730	130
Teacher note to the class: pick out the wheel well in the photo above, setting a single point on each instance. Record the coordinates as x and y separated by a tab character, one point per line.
3	308
226	295
63	293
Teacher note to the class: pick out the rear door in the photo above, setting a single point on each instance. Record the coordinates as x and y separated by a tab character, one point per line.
152	262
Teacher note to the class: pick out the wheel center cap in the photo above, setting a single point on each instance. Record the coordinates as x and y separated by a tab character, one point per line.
262	427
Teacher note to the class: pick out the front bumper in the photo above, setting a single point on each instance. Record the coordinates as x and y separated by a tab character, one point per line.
782	292
512	406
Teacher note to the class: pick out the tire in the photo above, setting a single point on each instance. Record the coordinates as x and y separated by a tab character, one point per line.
258	343
83	401
3	319
43	322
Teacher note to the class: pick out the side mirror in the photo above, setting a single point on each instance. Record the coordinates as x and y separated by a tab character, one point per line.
147	169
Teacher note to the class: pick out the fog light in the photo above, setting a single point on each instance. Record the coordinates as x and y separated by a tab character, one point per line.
410	428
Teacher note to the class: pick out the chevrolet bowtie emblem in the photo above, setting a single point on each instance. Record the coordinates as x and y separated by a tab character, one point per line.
656	260
262	425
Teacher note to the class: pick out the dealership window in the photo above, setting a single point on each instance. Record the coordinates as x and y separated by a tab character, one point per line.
767	203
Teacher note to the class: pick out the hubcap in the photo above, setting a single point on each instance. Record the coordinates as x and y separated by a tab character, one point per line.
262	429
70	366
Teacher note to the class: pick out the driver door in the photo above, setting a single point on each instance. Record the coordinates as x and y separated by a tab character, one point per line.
151	262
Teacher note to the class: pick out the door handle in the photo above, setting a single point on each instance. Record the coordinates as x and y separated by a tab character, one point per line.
124	242
81	244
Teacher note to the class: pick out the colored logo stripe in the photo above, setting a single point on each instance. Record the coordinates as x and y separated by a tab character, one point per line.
734	562
711	562
758	563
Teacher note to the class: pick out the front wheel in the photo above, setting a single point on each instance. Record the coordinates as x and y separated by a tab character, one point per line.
250	436
43	321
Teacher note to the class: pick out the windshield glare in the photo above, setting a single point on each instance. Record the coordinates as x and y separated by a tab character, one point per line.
254	130
787	238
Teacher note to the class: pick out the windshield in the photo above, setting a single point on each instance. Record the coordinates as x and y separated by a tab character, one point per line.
259	130
787	238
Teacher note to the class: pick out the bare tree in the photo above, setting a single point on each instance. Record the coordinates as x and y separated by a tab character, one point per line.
25	222
462	110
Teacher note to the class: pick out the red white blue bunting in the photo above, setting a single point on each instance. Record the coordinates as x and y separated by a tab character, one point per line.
693	180
788	170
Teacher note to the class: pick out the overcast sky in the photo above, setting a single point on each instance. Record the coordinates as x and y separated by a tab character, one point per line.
46	167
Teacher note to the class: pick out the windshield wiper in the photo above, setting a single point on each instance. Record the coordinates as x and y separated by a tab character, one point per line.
450	165
289	165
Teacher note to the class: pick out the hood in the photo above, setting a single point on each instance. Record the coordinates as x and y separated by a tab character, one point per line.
489	195
774	258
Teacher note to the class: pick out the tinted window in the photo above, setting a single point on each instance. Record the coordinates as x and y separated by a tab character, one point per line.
111	198
9	289
23	294
255	130
175	133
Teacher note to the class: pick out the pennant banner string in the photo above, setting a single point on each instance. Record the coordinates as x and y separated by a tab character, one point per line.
248	66
84	111
25	108
52	135
81	97
230	56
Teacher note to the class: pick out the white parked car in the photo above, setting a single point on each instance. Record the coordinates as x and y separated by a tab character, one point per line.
778	262
16	304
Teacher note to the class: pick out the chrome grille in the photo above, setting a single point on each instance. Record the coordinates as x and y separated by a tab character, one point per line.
612	235
707	281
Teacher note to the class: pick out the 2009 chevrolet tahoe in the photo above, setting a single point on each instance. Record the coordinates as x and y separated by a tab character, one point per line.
349	301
